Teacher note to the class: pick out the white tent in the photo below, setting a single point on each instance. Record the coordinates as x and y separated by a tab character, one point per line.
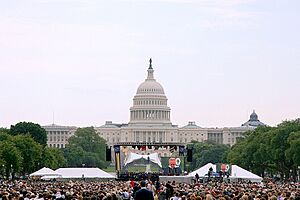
202	171
83	173
152	157
240	173
51	177
45	172
236	173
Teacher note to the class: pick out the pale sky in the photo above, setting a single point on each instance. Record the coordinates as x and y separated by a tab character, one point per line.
84	59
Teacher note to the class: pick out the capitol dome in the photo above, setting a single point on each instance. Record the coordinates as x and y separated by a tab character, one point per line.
150	87
150	102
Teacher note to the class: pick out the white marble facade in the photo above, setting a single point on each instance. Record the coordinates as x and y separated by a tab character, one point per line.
150	122
57	136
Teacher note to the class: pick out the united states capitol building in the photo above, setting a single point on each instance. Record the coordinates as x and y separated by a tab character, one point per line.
150	123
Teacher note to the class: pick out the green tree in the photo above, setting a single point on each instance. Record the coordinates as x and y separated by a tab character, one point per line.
91	159
293	152
53	158
12	158
5	136
2	166
252	152
279	145
237	156
74	156
35	130
4	130
86	147
269	149
30	151
206	152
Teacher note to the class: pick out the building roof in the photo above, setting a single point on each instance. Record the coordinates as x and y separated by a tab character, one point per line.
55	126
191	125
253	121
110	124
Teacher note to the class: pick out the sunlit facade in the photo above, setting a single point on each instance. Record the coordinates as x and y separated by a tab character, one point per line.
150	123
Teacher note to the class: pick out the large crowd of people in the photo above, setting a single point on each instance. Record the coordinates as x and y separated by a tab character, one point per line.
139	176
144	190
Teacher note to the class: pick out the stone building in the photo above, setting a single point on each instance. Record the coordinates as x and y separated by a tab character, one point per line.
57	136
150	123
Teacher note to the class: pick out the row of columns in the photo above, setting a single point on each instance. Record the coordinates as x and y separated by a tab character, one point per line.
149	136
149	114
150	102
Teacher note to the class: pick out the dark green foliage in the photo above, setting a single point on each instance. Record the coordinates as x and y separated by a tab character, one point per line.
293	152
10	157
271	150
4	130
86	147
20	154
30	152
207	152
4	136
35	130
74	156
52	158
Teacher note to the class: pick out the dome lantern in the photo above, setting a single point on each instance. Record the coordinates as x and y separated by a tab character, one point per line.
253	116
150	71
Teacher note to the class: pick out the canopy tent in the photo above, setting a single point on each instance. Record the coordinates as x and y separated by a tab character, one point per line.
83	173
240	173
152	157
236	173
45	172
202	171
51	177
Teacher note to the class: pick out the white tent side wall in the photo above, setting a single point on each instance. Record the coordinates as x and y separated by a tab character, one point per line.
240	173
237	173
202	171
69	173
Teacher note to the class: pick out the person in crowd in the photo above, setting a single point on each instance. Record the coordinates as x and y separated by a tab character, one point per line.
175	196
169	190
144	193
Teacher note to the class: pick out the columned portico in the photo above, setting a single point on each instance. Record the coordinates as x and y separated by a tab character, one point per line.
149	136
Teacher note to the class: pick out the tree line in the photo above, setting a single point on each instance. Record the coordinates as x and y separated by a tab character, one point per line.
266	151
269	150
23	150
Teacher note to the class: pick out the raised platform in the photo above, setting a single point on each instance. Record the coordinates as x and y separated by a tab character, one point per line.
150	143
177	179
